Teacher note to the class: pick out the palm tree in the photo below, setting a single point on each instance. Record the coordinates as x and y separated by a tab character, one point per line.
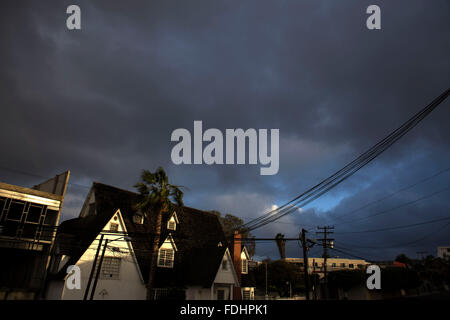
155	197
281	244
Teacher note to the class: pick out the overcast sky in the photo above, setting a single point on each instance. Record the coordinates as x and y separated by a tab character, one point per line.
103	101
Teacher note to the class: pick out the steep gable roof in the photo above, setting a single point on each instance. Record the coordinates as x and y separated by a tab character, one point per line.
197	235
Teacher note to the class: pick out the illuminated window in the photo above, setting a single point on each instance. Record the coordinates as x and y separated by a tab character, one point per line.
171	225
165	258
244	266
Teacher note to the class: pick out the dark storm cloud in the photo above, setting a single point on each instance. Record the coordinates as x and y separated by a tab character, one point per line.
103	101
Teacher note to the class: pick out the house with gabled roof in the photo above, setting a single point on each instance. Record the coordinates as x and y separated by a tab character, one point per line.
110	242
241	258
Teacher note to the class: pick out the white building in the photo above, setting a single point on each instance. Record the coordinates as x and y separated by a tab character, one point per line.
443	253
193	261
316	265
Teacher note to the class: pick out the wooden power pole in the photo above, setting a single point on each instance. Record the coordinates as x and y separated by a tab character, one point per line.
325	244
305	261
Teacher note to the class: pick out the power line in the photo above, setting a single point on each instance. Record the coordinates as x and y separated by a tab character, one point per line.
405	244
349	254
392	194
347	171
397	227
399	206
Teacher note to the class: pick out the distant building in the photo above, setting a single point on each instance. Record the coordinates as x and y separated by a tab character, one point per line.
316	265
242	262
443	253
193	262
28	220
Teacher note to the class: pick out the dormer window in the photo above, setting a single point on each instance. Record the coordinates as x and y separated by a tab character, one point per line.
166	253
172	222
138	219
171	225
166	258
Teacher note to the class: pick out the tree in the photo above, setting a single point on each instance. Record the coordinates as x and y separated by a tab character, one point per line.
282	276
403	259
281	244
346	279
231	223
155	197
394	279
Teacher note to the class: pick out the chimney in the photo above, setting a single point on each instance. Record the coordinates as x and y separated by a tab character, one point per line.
237	263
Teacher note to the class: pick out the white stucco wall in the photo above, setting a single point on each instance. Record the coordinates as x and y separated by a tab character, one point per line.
225	276
128	286
224	280
198	293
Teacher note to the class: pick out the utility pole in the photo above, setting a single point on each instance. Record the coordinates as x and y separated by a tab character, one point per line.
315	282
98	270
267	295
325	245
305	261
93	268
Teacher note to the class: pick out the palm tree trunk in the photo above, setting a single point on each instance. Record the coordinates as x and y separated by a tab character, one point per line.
154	258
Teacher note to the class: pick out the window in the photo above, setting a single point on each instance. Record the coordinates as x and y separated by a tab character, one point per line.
343	265
110	268
220	294
50	217
34	213
225	265
15	210
244	266
165	258
138	219
351	266
246	295
333	265
171	225
114	227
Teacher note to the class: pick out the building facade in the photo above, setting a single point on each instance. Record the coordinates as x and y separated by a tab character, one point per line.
443	253
28	221
111	244
316	265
